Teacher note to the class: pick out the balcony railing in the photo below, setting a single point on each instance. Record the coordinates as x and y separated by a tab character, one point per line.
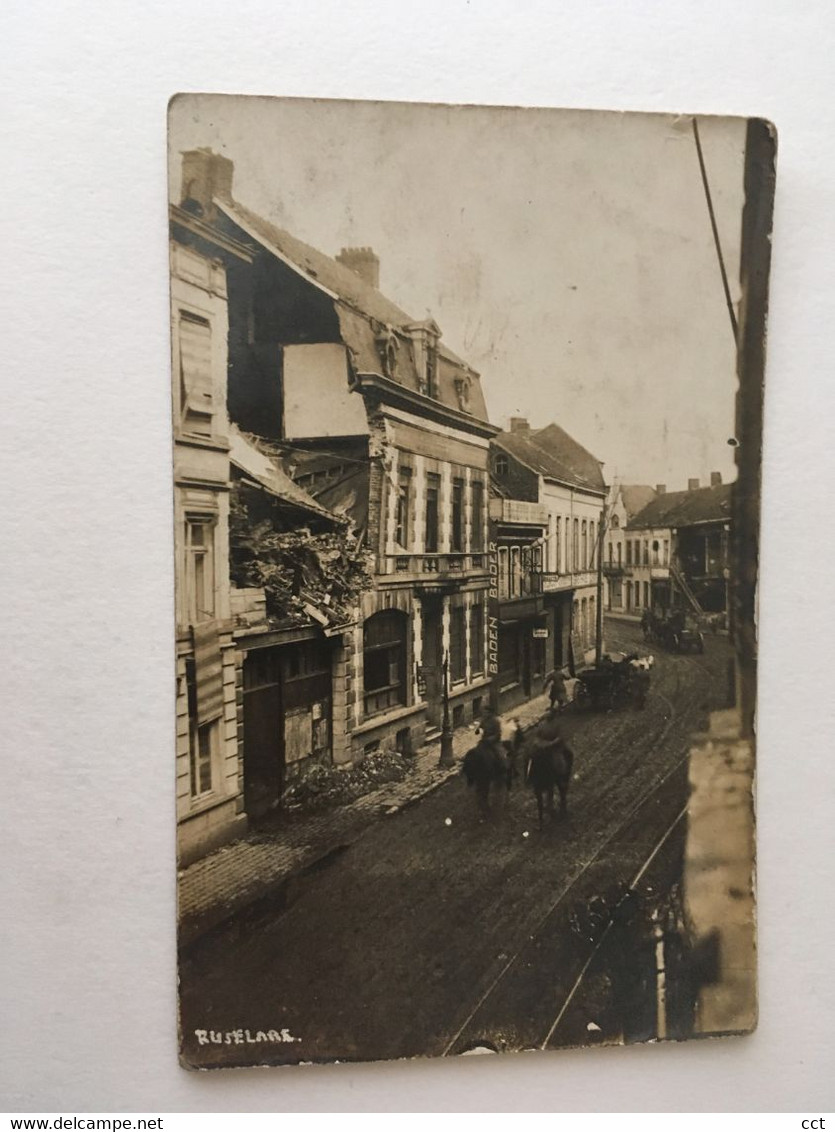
429	566
558	582
528	584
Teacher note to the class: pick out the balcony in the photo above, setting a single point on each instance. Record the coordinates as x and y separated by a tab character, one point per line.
524	585
433	570
519	512
559	583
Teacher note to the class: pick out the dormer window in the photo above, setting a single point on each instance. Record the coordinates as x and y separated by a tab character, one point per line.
431	370
615	521
501	466
425	337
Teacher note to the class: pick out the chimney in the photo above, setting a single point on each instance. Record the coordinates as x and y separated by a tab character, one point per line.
660	488
692	485
206	176
715	479
363	262
520	425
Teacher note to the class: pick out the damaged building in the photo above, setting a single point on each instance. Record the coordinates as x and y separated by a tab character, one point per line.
383	428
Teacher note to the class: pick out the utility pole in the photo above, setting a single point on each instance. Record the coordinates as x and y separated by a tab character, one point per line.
446	758
598	639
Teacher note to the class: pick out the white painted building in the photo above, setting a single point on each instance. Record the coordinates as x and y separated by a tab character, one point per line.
209	795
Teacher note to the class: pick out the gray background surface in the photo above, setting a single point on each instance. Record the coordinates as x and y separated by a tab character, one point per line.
88	988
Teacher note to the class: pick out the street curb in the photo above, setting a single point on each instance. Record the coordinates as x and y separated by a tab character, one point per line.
191	931
274	895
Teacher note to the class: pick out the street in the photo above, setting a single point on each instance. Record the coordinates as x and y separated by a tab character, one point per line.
435	934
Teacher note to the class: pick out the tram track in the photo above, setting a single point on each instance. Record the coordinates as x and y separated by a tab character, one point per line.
609	924
576	880
688	700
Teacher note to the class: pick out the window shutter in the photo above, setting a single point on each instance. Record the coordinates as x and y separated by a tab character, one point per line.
196	371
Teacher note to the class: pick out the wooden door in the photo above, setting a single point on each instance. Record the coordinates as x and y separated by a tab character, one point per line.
264	762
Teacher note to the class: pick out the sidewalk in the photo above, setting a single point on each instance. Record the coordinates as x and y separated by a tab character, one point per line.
223	885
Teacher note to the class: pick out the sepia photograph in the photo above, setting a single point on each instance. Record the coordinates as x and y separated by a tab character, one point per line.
467	439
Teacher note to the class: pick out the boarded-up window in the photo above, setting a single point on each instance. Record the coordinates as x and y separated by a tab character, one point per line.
196	374
298	736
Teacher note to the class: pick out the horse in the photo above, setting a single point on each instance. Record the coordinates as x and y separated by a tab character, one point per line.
486	766
549	761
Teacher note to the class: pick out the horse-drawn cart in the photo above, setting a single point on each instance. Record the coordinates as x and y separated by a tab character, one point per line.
676	631
613	683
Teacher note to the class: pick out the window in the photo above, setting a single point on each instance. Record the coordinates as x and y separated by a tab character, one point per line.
196	401
592	545
666	552
200	579
515	572
457	533
655	549
637	595
431	370
646	595
202	741
384	661
629	552
584	537
575	565
615	522
620	548
404	508
477	528
457	644
504	573
500	466
646	553
433	488
477	639
558	547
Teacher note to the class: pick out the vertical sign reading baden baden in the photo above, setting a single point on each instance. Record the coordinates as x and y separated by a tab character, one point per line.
493	619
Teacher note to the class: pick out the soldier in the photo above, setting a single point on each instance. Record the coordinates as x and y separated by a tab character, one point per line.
555	687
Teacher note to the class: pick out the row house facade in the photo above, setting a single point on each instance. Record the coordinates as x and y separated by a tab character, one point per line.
253	673
208	764
547	514
621	551
382	426
678	550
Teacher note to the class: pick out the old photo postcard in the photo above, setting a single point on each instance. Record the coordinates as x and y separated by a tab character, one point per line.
467	409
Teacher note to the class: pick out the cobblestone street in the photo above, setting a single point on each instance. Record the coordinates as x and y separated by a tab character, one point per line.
432	933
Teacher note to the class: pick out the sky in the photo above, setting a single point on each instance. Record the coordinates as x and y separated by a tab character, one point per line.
566	255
